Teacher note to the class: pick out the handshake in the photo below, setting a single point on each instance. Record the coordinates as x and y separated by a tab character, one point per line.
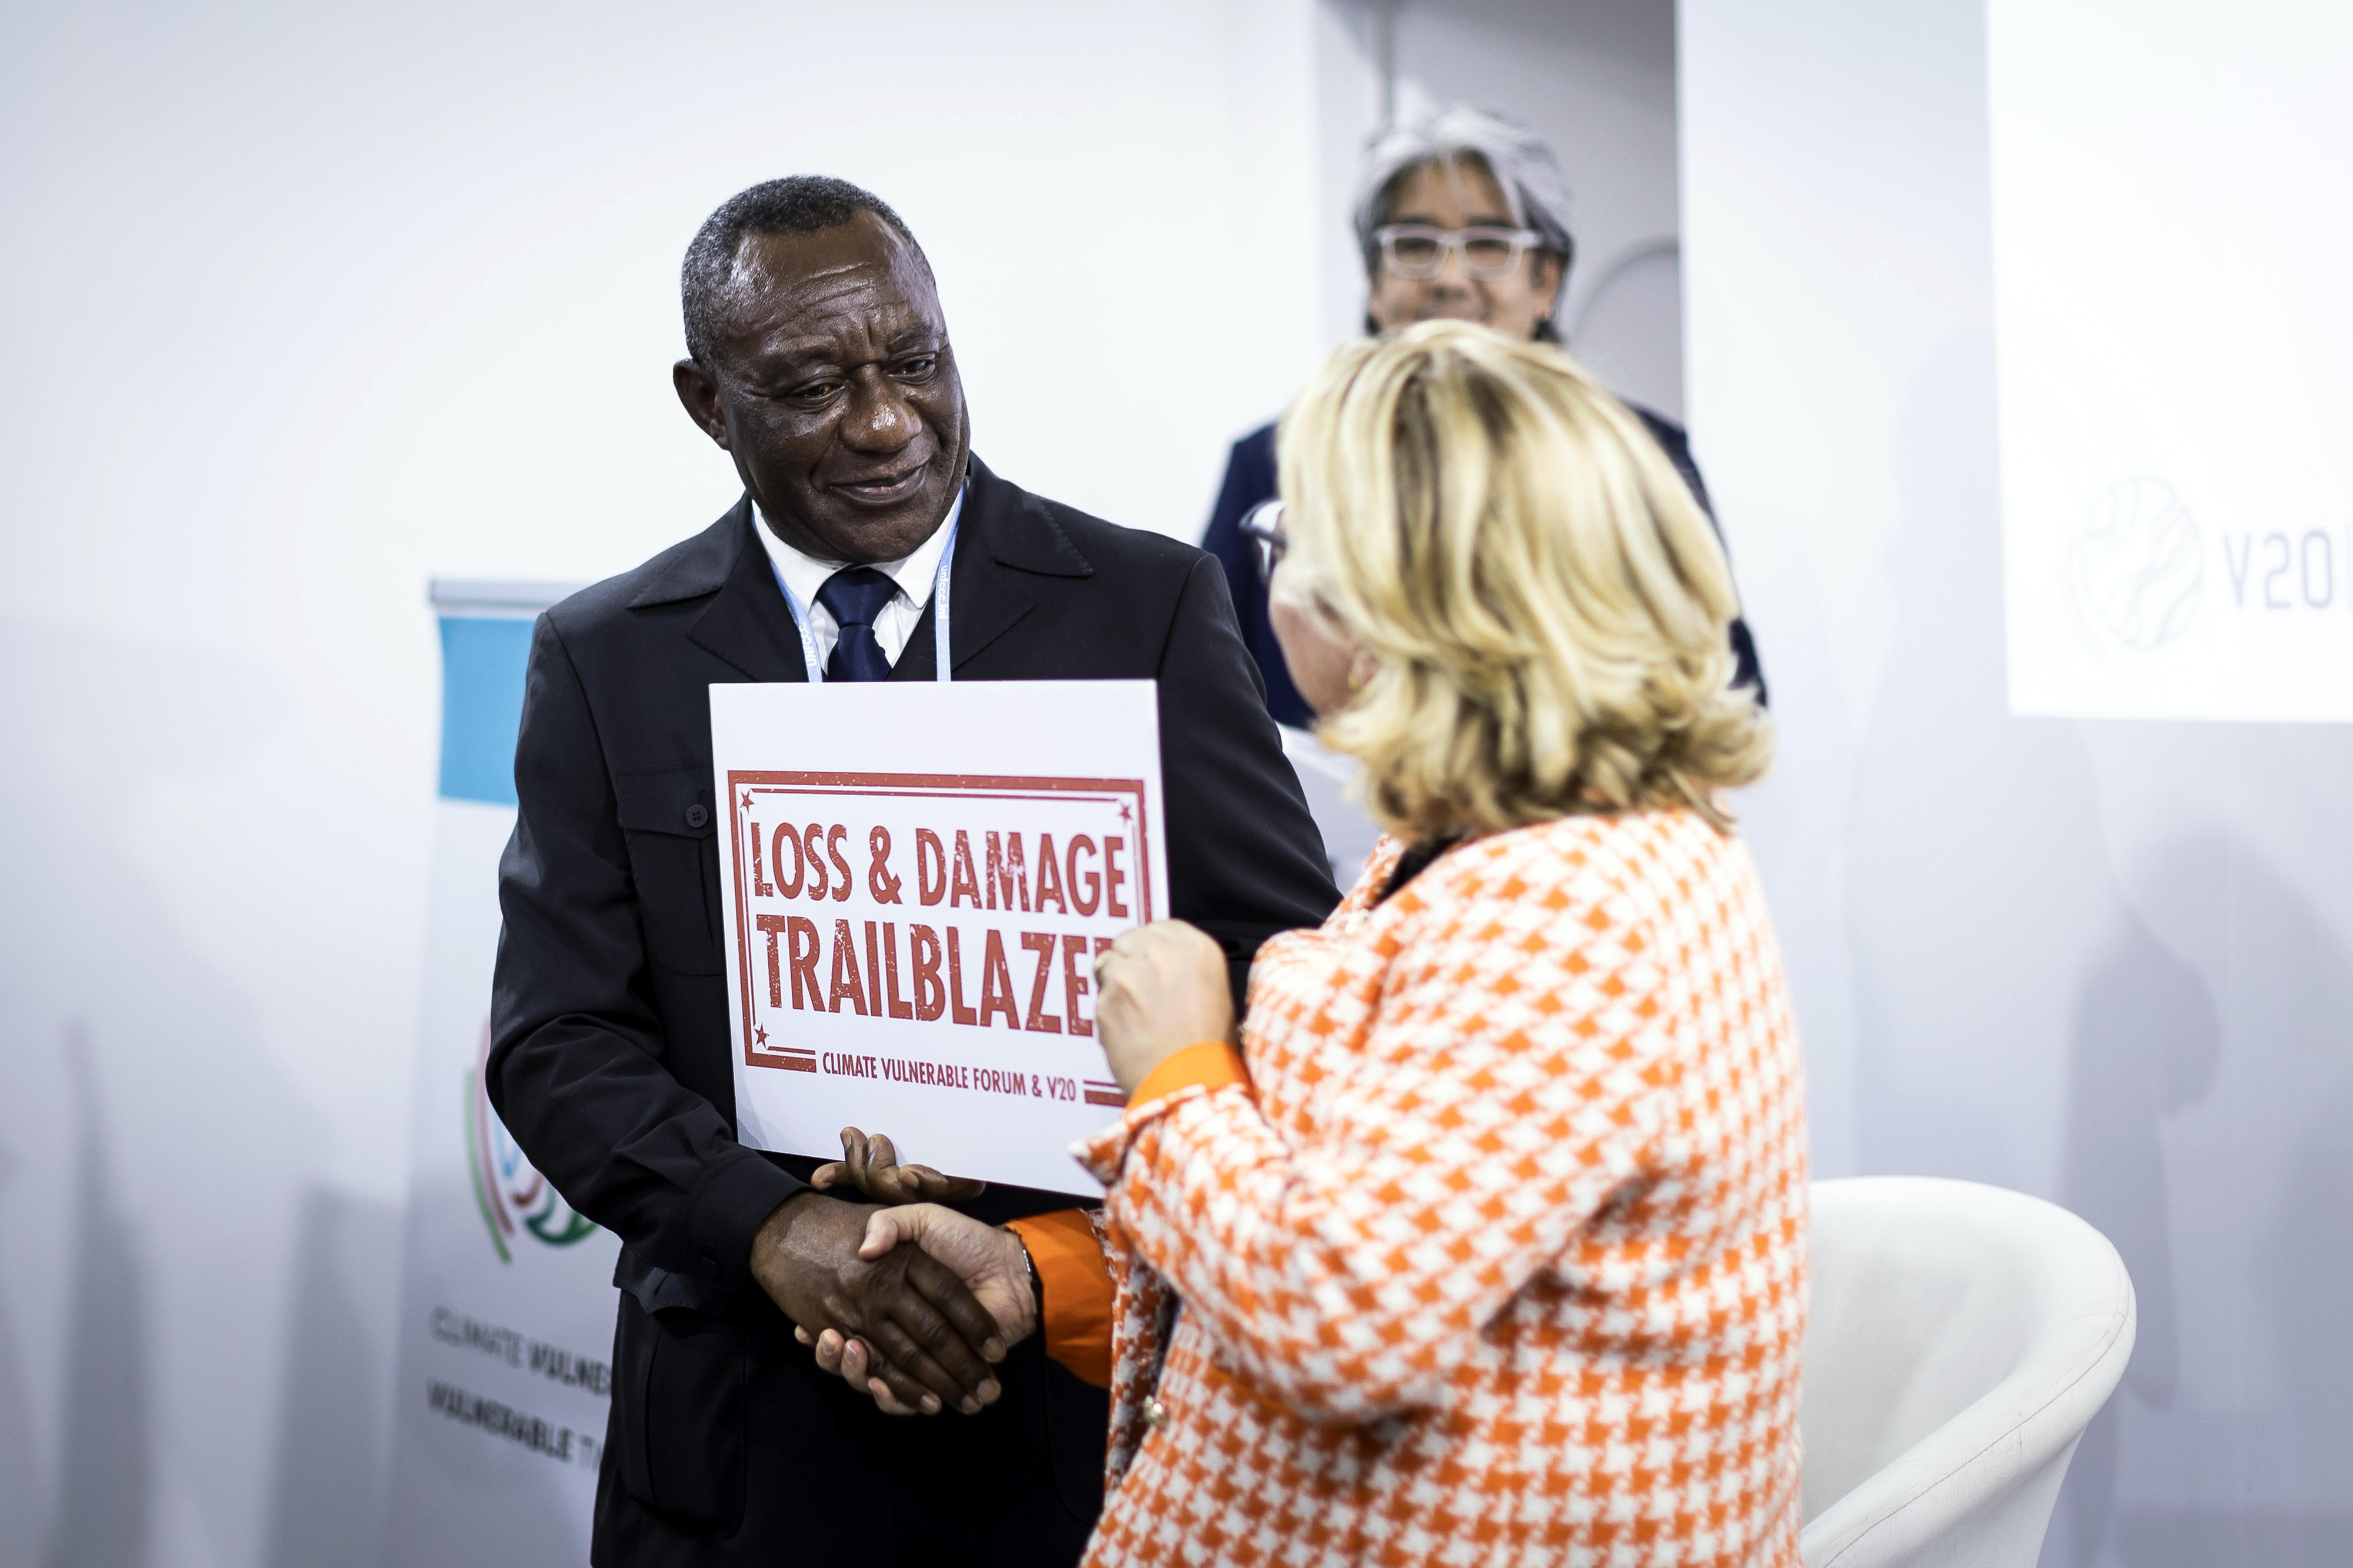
912	1302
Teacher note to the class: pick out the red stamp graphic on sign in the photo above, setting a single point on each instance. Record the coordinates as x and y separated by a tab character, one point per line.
967	903
911	946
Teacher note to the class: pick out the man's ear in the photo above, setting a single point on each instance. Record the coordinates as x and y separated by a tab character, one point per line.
700	394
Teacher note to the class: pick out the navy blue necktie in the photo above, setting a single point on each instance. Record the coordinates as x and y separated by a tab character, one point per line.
853	597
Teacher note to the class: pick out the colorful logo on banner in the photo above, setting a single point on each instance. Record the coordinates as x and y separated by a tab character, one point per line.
515	1199
2135	567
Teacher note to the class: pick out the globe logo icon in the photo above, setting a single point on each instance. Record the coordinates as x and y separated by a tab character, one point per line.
513	1198
2135	566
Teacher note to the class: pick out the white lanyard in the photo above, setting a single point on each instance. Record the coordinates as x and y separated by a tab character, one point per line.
940	662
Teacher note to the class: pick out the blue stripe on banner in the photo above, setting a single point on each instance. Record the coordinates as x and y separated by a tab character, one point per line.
482	660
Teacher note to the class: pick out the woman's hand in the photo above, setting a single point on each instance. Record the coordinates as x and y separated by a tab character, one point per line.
1160	988
938	1340
991	1262
871	1164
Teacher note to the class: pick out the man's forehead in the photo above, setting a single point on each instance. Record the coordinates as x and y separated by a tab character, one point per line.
859	269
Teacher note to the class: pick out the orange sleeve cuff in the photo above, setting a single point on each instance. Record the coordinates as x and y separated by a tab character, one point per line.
1077	1279
1212	1063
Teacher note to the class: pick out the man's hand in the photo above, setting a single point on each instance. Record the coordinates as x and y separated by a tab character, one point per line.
1160	988
871	1164
991	1261
934	1339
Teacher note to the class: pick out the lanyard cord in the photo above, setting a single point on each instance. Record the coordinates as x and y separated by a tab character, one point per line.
941	663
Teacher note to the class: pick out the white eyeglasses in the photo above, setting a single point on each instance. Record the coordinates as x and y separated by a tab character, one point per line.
1263	526
1419	249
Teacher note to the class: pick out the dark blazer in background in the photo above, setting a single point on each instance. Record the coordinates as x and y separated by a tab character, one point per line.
1251	479
611	1056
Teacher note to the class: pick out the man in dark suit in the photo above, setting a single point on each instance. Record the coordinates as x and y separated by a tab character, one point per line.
821	362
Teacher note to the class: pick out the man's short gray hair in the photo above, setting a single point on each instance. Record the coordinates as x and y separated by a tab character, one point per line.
1523	165
798	203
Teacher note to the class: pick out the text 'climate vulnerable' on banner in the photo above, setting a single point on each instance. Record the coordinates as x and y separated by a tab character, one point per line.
912	948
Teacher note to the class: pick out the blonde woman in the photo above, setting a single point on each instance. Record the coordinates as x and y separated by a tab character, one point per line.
1488	1243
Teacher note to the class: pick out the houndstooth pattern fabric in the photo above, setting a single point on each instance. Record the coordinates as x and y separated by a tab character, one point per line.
1500	1258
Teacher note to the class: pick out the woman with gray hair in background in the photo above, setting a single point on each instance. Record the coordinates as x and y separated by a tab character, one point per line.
1462	215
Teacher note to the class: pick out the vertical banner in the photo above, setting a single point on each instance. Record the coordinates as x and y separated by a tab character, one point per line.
506	1323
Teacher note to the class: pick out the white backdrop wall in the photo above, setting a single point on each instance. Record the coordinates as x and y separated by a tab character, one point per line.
306	304
2108	962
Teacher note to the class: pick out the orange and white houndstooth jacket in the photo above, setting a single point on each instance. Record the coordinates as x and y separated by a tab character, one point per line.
1498	1255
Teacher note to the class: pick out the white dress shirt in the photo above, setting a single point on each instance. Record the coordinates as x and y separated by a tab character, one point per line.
803	574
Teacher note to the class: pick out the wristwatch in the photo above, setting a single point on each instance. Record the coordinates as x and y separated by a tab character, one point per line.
1037	1286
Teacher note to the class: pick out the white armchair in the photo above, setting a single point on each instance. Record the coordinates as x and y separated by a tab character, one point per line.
1961	1339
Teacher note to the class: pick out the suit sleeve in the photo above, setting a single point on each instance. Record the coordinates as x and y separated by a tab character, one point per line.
1249	480
1243	489
1245	859
577	1067
1747	672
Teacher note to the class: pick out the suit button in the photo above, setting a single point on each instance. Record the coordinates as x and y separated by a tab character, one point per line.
710	1266
696	816
1155	1415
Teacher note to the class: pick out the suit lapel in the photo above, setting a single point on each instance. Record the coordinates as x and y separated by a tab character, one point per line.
1005	540
917	660
747	622
983	601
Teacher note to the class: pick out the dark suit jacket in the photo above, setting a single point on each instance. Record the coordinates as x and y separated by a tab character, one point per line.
610	1060
1251	479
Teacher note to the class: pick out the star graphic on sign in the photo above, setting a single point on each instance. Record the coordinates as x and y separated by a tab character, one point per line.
760	1033
1123	812
747	801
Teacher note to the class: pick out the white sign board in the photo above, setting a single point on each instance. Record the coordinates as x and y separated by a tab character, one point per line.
2172	333
916	879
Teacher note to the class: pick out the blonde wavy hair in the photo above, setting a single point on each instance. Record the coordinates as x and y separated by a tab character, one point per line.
1544	610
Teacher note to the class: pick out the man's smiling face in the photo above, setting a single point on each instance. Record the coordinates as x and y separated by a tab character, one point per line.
834	387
